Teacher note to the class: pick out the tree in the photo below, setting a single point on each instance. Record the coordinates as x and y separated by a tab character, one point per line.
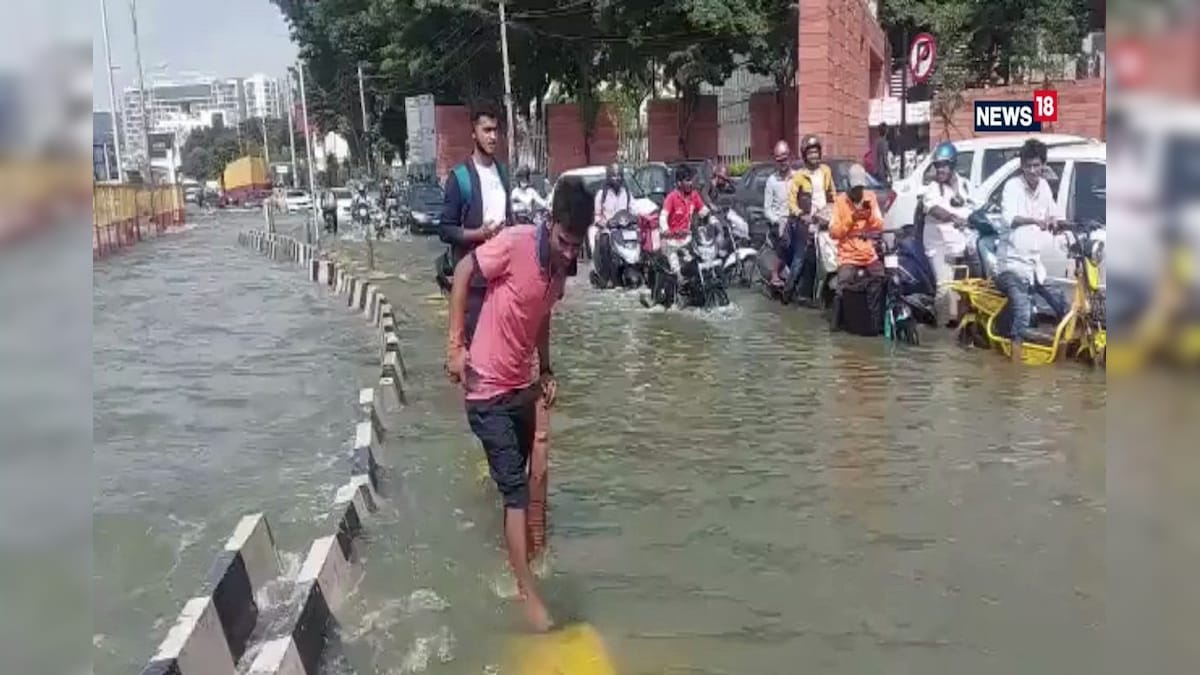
987	43
206	152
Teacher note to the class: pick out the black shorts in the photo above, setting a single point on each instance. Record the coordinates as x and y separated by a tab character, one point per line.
505	425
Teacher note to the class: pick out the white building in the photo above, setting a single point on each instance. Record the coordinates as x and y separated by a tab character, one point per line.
264	97
168	104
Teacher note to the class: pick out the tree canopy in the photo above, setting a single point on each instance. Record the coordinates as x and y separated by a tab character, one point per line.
450	48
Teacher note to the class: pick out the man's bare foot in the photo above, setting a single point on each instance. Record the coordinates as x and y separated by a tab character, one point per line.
537	614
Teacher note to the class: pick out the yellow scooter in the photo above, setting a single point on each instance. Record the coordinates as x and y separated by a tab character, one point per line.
1081	333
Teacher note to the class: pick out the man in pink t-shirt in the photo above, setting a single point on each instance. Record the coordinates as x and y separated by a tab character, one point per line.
506	368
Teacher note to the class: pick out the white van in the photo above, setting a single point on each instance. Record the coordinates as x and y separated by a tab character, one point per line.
978	159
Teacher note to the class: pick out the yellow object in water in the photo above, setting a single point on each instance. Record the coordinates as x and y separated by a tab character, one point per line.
483	472
574	650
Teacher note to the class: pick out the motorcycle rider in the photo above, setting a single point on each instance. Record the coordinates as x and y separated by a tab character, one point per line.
329	211
525	198
612	198
947	201
776	199
721	188
855	214
1026	206
361	201
675	220
817	178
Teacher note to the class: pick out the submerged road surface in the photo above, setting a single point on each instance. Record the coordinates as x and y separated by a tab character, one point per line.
224	384
742	492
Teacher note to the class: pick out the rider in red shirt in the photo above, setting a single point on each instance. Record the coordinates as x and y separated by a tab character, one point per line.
675	219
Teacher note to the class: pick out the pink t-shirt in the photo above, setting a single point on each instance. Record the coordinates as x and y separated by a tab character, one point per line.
520	295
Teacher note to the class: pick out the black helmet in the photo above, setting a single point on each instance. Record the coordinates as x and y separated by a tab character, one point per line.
809	141
612	171
523	174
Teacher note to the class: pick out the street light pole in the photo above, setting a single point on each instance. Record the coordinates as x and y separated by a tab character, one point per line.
308	151
508	102
137	52
112	96
362	102
292	134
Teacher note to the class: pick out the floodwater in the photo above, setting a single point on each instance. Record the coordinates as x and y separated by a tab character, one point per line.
741	492
224	384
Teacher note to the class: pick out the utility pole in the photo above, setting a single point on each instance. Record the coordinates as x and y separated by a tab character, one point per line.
292	134
308	150
267	162
362	103
508	103
137	52
112	97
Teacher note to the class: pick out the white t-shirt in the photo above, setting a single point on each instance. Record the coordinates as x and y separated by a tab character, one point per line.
819	188
526	198
1020	249
492	194
941	234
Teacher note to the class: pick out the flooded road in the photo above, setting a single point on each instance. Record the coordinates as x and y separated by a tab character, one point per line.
224	384
744	493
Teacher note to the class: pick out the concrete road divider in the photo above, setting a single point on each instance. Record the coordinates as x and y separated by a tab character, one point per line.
366	405
195	645
238	574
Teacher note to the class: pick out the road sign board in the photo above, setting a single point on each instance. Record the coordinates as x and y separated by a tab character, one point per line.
921	54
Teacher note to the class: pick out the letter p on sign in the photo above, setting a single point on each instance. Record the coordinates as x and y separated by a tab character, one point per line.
1045	105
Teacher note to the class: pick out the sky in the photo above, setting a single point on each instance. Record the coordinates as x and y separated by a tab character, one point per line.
218	38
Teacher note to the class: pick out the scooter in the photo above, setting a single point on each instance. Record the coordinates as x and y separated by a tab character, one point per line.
1081	333
739	257
618	256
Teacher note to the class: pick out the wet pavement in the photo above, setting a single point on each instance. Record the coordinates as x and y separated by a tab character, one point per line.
224	384
735	492
743	492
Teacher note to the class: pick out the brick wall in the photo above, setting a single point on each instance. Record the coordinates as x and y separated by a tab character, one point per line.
770	122
665	119
837	41
565	141
454	143
1080	109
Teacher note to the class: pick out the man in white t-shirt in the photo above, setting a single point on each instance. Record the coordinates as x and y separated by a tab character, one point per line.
1027	208
947	201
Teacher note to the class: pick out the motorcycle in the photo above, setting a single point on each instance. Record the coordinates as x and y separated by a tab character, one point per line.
899	317
618	255
701	282
1081	333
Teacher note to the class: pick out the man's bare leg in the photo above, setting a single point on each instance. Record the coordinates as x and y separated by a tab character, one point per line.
539	481
514	539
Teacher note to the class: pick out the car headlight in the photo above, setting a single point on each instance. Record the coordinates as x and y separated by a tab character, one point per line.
420	217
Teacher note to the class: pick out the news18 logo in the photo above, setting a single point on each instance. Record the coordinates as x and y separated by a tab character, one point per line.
1017	115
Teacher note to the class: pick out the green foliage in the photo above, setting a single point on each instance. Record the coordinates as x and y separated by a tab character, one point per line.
986	43
739	168
207	151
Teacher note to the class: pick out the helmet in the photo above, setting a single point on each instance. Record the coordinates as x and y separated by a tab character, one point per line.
523	174
612	171
945	152
810	141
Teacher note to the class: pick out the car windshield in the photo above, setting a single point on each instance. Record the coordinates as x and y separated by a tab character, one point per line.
593	183
841	176
425	195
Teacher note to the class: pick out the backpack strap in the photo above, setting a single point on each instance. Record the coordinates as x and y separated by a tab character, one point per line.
503	171
463	176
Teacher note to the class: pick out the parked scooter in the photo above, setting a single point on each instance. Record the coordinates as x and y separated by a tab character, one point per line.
618	255
739	257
